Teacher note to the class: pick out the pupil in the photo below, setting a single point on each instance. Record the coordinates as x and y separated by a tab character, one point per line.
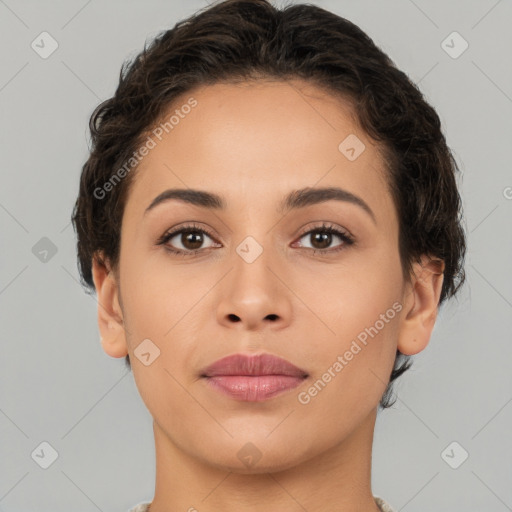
188	239
324	237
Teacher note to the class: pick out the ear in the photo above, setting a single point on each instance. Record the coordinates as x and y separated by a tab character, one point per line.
110	316
421	305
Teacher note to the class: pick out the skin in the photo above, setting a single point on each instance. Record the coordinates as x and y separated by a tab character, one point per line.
253	143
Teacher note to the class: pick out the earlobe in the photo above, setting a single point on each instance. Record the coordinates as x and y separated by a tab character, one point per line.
421	306
110	318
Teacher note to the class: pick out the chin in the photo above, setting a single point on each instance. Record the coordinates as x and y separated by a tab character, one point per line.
257	454
269	463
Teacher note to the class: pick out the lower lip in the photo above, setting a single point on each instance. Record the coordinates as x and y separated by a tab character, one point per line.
253	388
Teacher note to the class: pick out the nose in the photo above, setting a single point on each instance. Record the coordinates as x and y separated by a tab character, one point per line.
254	295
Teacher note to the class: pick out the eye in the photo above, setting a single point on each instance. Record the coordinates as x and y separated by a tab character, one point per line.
323	236
190	238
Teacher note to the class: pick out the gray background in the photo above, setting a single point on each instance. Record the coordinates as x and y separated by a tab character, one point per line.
58	386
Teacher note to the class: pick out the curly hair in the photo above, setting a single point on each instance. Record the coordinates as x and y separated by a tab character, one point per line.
242	40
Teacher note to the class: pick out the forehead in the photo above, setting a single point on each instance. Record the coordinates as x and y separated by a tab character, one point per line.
259	139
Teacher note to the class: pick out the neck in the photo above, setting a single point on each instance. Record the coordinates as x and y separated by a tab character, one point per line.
336	480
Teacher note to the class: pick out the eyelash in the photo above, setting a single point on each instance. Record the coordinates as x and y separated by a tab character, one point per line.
348	239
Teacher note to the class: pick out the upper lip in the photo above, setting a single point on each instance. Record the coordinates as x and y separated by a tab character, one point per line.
261	364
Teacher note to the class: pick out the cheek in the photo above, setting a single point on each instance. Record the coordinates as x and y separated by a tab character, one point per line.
158	320
163	305
154	296
360	313
347	300
353	368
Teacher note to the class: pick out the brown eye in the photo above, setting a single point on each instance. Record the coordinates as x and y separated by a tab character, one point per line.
187	240
191	240
321	239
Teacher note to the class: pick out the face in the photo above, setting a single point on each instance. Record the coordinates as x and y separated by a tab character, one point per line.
316	281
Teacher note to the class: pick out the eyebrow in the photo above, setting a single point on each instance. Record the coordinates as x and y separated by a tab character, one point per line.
294	200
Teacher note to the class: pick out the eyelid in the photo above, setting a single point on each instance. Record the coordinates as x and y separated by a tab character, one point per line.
327	226
193	226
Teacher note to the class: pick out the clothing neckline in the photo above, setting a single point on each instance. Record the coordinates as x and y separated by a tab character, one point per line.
381	503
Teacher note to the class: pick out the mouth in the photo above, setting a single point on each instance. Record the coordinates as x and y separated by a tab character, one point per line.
253	378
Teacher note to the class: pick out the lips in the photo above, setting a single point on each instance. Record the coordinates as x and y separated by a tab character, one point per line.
253	378
256	365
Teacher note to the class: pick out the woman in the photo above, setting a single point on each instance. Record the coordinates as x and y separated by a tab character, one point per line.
270	219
